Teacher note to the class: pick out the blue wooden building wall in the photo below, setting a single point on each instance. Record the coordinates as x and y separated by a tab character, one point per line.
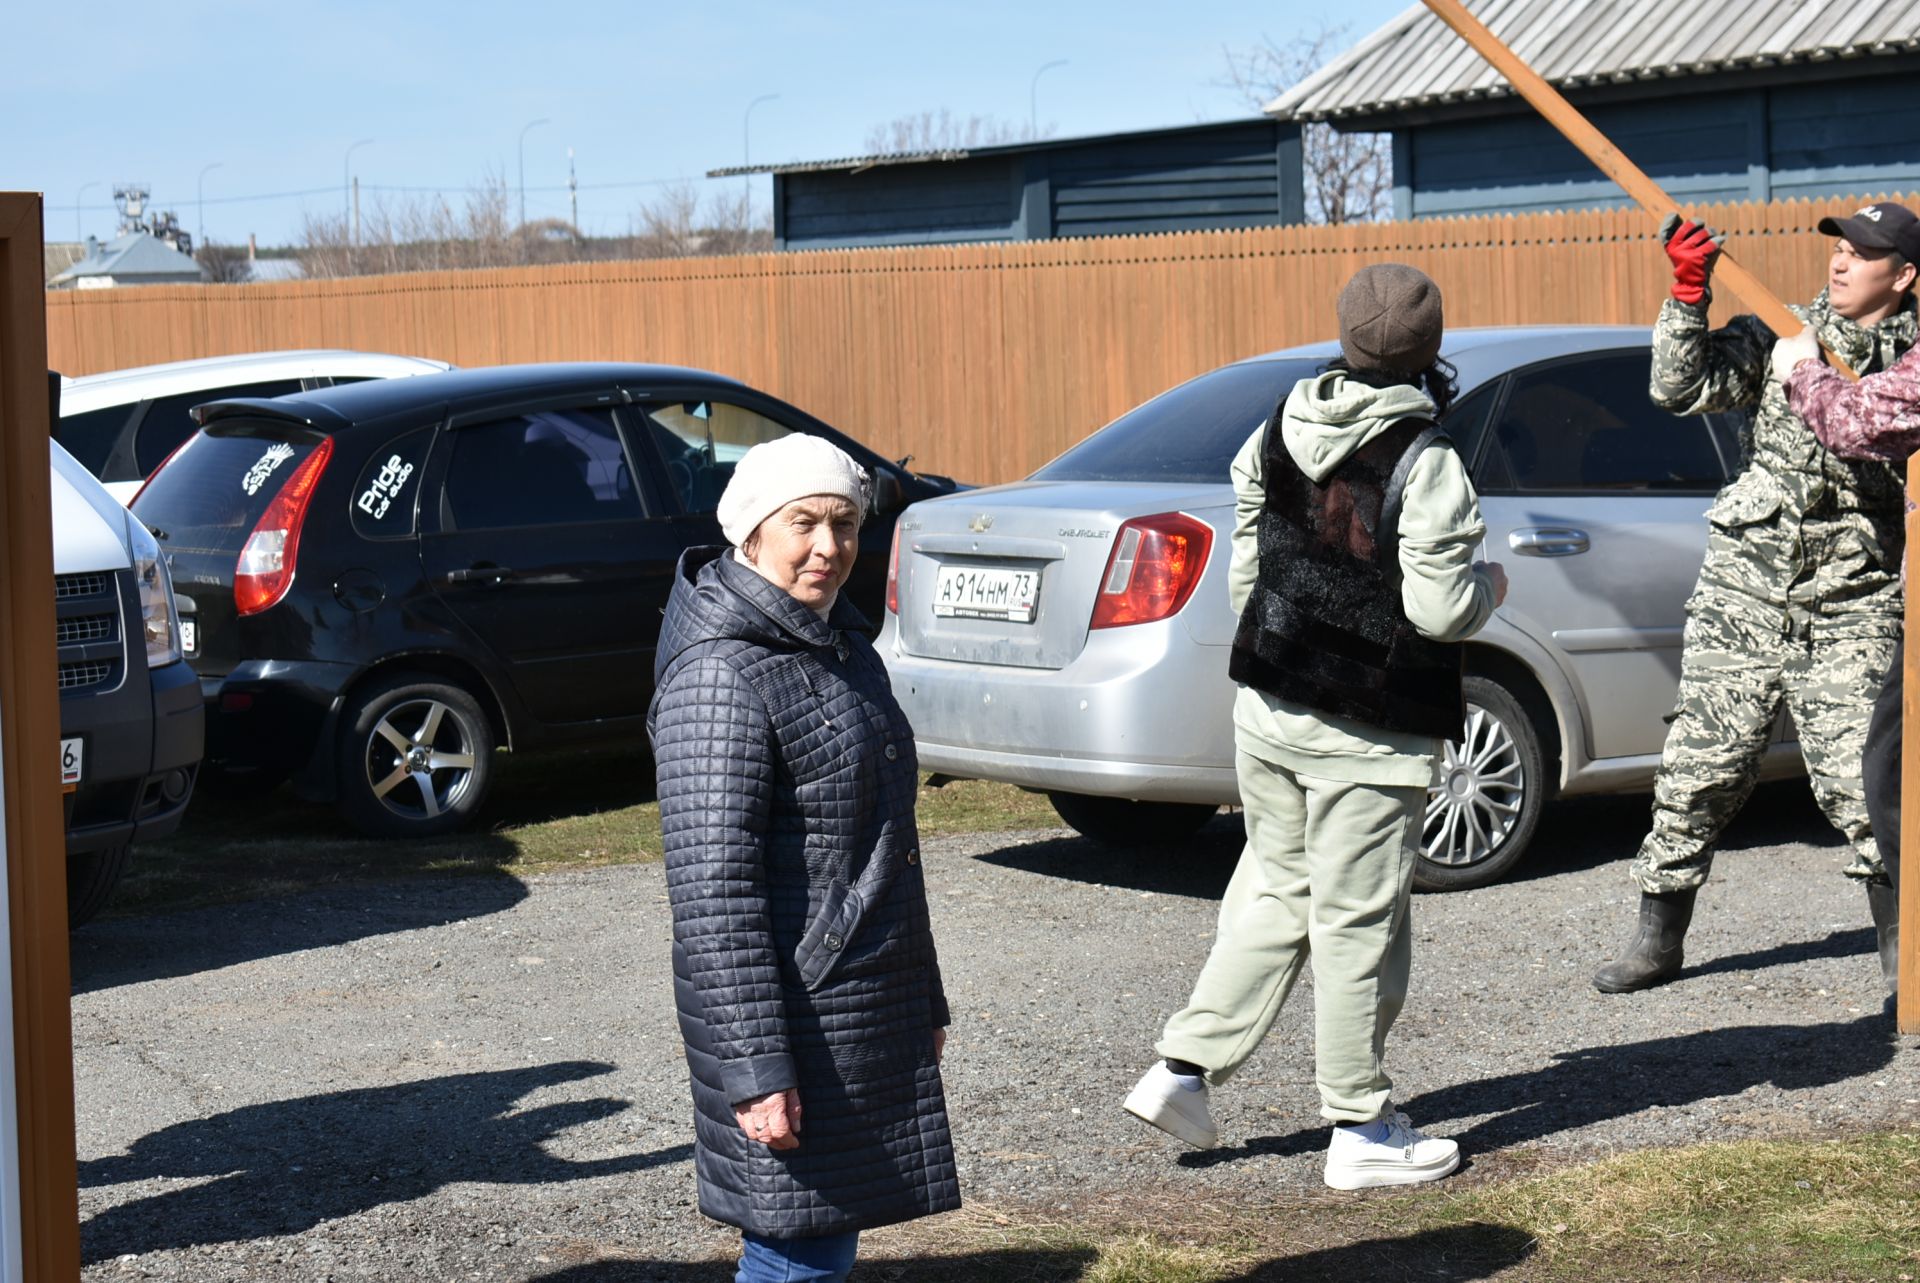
1833	137
1246	174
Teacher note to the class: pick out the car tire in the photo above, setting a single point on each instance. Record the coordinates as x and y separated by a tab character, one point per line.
1481	816
91	878
1121	822
437	728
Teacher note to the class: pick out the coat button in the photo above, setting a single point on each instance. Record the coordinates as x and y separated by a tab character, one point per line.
913	855
834	942
892	753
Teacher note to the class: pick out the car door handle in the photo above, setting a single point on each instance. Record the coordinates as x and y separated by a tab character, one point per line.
486	576
1549	541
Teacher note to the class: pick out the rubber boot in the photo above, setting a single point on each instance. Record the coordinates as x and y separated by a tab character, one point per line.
1884	902
1653	955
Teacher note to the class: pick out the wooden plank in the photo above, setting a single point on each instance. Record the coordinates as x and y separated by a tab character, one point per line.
36	851
1907	1008
1613	162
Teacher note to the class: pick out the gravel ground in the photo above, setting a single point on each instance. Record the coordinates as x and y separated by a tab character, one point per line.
480	1079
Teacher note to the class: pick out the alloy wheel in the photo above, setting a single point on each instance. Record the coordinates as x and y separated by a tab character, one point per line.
1482	790
419	759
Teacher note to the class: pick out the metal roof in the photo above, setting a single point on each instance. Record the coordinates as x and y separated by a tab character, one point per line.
1416	61
134	255
858	163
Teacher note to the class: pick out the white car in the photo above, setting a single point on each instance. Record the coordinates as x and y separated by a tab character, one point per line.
131	715
122	424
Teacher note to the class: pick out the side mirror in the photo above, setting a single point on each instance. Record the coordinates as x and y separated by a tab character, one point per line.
889	496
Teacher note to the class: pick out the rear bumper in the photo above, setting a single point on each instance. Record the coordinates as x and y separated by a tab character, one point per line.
271	714
144	745
1140	713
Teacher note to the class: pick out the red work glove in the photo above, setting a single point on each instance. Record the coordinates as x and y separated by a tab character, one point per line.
1692	247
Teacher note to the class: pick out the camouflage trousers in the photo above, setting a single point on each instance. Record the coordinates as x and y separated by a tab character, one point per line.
1734	676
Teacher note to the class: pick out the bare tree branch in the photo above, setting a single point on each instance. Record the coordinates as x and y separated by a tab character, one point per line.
1349	176
943	131
224	264
431	234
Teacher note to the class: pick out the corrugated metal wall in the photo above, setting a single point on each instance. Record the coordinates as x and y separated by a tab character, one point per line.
982	361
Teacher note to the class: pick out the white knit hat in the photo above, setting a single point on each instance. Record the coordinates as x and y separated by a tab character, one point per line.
775	473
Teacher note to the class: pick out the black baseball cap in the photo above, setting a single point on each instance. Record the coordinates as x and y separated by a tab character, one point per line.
1882	226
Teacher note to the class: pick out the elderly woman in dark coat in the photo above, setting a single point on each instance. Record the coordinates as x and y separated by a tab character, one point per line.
804	968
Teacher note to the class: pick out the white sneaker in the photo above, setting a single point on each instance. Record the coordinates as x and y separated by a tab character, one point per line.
1403	1157
1158	1098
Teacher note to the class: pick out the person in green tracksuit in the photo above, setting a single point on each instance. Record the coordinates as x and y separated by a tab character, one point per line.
1352	569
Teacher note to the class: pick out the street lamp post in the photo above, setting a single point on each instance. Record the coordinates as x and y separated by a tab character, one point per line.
200	201
346	183
746	148
1033	97
79	233
522	148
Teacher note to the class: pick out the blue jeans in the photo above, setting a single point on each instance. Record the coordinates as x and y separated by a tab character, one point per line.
826	1259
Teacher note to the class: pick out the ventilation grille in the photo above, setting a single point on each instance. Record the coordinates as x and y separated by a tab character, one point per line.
91	584
85	628
87	672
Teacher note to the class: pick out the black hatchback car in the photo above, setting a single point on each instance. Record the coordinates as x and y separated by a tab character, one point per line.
382	582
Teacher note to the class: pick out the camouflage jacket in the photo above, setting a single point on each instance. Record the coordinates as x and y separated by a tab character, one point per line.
1800	533
1876	418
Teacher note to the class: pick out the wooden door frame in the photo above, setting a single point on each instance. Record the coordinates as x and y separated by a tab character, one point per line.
36	852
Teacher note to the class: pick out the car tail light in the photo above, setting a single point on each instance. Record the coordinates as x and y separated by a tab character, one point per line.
893	573
1155	564
265	570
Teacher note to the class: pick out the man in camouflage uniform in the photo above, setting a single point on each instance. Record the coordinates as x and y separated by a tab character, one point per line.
1799	597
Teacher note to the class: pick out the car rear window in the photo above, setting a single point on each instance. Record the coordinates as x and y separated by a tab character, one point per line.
167	422
210	495
1189	434
90	434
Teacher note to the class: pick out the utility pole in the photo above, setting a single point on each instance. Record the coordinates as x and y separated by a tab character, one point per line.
1033	97
521	147
346	177
573	199
200	199
79	233
356	211
746	149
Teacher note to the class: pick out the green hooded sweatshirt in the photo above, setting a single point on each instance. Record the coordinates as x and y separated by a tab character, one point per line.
1325	419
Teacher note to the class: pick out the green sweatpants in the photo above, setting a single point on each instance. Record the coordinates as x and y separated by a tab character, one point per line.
1327	872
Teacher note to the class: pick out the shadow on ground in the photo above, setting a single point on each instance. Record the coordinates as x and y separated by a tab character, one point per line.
130	950
1456	1254
283	1168
1575	834
251	877
1599	1083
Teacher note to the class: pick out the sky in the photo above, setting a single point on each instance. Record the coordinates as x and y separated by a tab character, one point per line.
273	96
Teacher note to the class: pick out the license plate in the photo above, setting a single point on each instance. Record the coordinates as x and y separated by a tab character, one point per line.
978	592
71	754
189	634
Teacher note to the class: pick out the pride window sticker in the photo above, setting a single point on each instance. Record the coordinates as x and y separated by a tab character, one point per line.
379	496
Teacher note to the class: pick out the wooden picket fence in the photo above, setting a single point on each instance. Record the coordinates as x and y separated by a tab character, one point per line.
982	361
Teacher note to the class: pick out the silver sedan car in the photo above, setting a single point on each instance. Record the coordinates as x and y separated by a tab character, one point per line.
1069	633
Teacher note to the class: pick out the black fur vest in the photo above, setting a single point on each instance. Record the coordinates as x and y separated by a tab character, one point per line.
1324	626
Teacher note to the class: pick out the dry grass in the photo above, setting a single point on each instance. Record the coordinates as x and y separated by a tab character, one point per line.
1756	1212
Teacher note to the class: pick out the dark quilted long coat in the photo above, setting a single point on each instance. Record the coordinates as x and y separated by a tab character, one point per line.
802	952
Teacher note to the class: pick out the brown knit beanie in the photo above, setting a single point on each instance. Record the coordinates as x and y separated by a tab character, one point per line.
1390	319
